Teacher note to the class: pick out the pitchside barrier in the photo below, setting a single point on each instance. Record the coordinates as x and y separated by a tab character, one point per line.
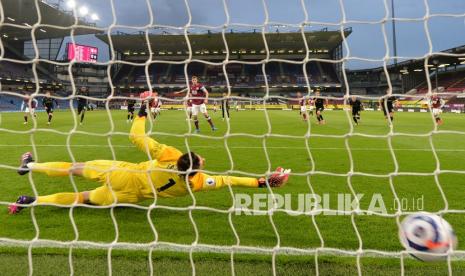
297	107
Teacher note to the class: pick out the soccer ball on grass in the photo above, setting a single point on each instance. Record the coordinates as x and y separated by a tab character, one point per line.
429	236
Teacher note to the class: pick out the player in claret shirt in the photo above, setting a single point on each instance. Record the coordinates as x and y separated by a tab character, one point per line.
155	105
437	104
49	103
29	106
303	101
198	95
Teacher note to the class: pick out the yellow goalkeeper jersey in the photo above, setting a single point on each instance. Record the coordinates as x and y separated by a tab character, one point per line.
164	178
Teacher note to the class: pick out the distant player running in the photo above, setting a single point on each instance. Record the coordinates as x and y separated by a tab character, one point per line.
29	105
387	105
225	106
131	103
198	94
357	107
49	104
169	174
82	103
303	101
319	107
437	104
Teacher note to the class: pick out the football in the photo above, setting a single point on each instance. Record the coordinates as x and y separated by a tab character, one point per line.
428	236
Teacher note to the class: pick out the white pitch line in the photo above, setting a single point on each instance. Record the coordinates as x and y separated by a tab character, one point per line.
239	147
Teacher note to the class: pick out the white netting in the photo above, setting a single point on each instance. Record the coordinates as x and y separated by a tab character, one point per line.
196	246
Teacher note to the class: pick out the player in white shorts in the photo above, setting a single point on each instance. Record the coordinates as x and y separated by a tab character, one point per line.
29	106
303	105
198	95
437	104
155	105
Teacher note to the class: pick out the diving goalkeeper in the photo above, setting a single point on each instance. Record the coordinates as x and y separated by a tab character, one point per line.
168	174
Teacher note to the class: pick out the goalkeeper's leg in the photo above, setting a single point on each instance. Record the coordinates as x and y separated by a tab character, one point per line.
102	171
101	196
51	169
97	170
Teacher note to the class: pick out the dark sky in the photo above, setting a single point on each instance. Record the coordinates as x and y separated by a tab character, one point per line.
366	40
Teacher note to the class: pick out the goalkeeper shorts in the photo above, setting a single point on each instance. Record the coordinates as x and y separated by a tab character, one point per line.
120	181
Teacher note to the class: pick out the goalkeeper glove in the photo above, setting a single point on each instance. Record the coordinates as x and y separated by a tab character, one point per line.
277	179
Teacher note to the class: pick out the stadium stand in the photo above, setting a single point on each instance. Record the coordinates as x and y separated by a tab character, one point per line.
243	75
448	81
243	78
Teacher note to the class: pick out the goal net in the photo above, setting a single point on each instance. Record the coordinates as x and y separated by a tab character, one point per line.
352	181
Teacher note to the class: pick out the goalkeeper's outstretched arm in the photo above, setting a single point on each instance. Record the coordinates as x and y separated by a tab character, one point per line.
156	150
202	181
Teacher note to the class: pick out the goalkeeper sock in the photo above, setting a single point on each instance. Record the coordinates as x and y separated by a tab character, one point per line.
51	168
62	198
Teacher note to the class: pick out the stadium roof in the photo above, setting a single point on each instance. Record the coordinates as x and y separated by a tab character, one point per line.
449	57
241	45
21	15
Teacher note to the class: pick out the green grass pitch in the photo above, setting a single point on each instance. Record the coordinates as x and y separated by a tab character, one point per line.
371	155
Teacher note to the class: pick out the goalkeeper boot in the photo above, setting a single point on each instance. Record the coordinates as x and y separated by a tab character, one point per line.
22	200
25	159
